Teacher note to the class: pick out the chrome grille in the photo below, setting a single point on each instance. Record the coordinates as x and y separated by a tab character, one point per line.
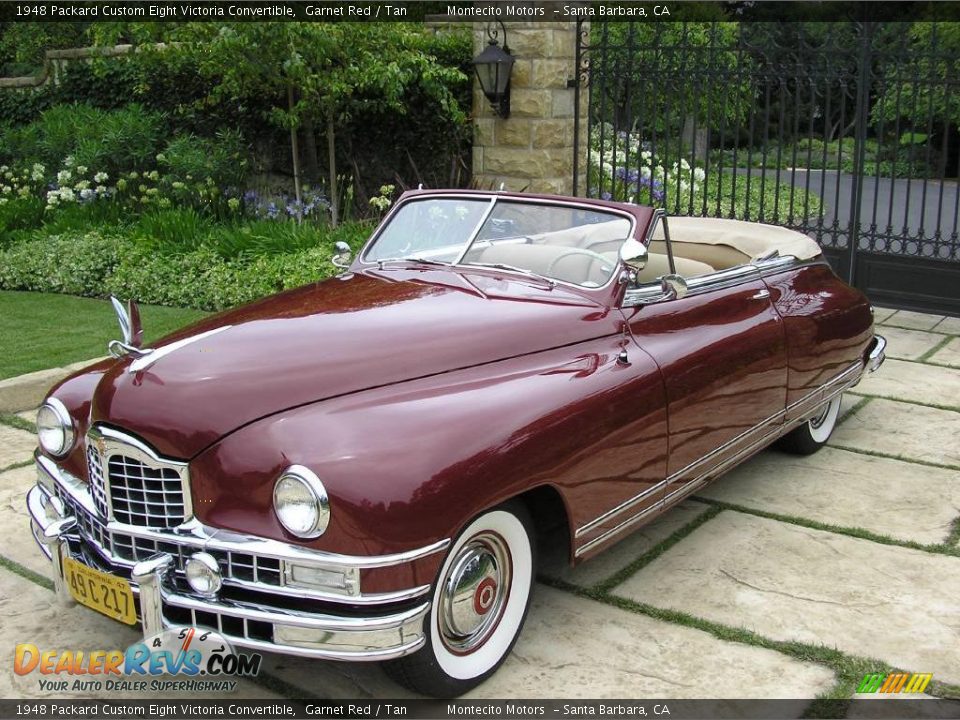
114	546
144	495
95	473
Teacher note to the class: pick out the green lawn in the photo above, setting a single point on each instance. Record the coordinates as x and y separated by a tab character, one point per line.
39	331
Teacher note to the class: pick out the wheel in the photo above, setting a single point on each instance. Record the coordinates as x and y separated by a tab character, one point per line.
480	601
814	433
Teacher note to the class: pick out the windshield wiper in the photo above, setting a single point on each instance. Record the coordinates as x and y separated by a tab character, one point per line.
418	261
513	268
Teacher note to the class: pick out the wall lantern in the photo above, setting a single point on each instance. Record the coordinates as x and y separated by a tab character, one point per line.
493	68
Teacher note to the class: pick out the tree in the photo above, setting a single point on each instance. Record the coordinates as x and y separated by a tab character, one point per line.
309	74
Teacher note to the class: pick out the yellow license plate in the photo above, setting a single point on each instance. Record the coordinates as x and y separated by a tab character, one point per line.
100	591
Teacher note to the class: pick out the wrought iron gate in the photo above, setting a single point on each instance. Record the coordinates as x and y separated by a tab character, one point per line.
844	131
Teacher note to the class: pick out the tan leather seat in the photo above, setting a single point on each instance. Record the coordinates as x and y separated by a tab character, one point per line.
562	263
658	265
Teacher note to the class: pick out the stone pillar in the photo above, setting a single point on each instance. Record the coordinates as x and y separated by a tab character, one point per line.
531	150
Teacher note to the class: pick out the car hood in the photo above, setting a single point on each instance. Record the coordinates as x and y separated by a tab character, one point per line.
333	338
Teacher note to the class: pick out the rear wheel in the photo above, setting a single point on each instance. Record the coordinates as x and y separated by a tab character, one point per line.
813	434
480	601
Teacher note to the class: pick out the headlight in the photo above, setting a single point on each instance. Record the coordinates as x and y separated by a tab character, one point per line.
54	428
301	502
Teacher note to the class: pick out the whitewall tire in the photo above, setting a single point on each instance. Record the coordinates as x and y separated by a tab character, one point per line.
814	433
479	603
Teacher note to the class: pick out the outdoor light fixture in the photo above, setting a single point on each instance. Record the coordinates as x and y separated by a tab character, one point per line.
493	68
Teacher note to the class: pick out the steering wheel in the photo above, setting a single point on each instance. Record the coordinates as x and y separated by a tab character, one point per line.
578	251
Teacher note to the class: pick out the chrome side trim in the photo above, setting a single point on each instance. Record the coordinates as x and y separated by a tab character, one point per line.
145	361
625	505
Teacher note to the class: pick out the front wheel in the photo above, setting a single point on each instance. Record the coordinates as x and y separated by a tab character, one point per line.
480	601
814	433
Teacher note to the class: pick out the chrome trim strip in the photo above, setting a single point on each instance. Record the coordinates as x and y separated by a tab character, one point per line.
476	231
618	529
145	361
320	654
625	505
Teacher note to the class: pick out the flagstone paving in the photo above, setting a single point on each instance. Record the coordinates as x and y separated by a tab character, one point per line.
915	382
18	542
880	313
911	432
789	582
913	320
949	354
906	344
16	446
837	487
949	325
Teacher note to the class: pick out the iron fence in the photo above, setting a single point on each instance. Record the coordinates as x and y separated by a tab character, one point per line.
844	131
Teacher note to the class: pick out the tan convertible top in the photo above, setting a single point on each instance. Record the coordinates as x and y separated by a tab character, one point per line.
751	239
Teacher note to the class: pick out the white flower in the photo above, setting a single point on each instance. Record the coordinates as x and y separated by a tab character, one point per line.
101	190
3	168
6	189
68	161
81	169
82	185
699	174
100	177
37	173
67	194
87	194
685	165
53	197
64	176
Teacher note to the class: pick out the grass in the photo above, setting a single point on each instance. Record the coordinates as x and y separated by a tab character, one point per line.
41	330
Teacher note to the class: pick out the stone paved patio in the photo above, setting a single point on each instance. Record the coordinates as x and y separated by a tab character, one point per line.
853	549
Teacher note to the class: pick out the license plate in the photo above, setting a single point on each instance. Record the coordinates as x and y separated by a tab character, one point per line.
100	591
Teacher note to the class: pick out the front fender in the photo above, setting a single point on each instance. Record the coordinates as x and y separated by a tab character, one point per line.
411	463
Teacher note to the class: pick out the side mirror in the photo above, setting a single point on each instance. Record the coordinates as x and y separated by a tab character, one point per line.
344	255
674	286
633	254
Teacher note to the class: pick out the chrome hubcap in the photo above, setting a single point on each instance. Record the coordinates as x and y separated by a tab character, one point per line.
820	419
474	593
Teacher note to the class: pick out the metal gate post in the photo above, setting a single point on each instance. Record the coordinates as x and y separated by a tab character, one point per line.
862	110
577	79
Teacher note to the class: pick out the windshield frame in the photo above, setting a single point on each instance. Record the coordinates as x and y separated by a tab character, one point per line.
493	200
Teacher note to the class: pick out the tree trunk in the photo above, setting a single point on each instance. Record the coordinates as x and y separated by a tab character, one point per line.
310	156
295	147
332	163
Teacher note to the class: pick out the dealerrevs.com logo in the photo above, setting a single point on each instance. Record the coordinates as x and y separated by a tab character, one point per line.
197	659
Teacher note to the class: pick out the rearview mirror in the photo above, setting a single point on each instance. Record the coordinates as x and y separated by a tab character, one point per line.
674	286
344	255
633	254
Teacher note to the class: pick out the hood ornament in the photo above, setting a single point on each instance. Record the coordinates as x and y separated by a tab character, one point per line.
130	326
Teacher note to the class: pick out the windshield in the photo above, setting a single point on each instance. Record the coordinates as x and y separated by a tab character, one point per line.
561	242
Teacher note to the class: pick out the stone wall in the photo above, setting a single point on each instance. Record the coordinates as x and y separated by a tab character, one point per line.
531	150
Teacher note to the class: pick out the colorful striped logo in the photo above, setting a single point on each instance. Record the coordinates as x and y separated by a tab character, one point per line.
894	682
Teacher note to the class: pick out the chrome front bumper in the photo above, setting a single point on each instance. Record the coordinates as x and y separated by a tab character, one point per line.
363	628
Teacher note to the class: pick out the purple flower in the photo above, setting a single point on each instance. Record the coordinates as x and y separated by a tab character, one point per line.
606	196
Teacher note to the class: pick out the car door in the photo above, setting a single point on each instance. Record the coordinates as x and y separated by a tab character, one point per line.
722	353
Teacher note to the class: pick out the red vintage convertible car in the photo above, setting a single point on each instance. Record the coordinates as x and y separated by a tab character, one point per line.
360	469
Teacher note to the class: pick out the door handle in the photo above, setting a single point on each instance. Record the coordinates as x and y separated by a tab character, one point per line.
761	295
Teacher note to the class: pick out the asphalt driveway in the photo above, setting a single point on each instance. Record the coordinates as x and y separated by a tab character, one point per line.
788	578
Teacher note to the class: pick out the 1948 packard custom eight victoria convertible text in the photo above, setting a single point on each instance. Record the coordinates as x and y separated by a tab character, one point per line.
360	469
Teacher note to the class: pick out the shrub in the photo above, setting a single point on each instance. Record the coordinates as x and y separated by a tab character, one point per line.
76	264
172	231
19	214
223	158
98	263
108	140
